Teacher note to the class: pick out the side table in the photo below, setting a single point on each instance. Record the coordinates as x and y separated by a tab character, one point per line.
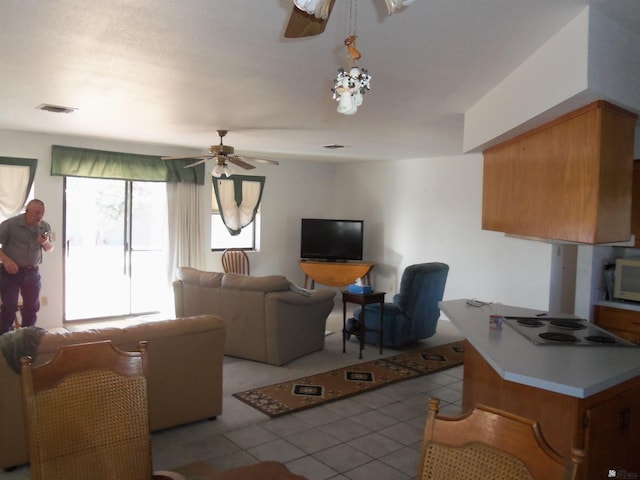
362	300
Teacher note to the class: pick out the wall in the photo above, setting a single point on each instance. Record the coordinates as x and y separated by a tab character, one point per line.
286	199
427	210
414	211
293	190
556	72
591	58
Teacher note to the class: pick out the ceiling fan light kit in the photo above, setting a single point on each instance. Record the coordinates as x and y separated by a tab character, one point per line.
223	154
317	8
309	17
221	169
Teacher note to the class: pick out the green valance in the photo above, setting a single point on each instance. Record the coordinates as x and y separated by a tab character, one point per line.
84	162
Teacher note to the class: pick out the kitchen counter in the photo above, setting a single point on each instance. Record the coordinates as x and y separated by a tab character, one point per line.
576	371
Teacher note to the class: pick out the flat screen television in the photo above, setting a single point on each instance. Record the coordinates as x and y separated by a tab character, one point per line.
331	240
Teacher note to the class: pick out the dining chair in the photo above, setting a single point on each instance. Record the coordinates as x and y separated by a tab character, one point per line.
235	260
86	414
486	444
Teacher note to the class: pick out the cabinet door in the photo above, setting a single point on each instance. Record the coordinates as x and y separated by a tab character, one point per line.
612	437
635	202
619	321
569	179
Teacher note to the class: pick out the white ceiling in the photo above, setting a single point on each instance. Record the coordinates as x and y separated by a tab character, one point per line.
174	71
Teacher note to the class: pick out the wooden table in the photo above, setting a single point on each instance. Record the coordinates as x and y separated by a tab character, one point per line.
335	274
362	300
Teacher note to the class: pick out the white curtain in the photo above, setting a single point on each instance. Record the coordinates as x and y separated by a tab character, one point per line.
238	199
14	188
185	216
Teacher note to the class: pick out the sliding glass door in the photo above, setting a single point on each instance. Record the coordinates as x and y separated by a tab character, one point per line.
115	254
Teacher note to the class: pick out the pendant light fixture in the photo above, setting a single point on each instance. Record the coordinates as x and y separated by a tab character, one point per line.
352	82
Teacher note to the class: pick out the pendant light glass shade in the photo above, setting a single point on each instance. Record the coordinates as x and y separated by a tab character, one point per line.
221	169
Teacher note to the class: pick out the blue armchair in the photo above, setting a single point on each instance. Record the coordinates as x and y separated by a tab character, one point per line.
414	313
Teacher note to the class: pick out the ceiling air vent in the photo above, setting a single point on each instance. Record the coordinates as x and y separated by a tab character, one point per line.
332	146
55	108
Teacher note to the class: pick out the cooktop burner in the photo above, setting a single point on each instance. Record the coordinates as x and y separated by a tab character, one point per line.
568	324
530	322
558	337
544	330
606	339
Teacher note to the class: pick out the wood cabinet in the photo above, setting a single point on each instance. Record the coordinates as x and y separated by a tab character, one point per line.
606	425
635	203
569	179
613	430
619	321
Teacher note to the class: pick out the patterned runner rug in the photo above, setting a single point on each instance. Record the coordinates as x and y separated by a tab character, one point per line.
295	395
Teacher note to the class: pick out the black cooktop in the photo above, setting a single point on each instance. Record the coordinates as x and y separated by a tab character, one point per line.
564	331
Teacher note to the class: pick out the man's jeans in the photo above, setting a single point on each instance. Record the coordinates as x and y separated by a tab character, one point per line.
27	283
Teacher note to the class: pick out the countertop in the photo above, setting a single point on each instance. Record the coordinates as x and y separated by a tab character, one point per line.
577	371
635	306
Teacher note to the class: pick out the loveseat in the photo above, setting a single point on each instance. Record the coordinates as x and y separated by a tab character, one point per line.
268	319
184	380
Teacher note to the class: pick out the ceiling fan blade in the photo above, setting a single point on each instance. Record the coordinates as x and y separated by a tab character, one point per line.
187	157
241	163
261	160
303	24
202	160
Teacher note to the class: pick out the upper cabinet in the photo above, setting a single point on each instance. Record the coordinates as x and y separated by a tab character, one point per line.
569	179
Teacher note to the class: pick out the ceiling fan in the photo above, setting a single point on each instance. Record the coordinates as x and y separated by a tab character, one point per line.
223	154
309	17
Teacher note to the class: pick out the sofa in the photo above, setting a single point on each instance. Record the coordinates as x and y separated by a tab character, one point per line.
184	379
268	319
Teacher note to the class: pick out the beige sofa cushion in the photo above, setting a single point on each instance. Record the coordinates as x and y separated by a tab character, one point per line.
199	277
271	283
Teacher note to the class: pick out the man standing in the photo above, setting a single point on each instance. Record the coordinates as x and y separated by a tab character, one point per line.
22	240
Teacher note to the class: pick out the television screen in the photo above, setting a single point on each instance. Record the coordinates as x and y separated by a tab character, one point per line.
331	240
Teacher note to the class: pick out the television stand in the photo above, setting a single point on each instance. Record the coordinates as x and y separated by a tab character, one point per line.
335	274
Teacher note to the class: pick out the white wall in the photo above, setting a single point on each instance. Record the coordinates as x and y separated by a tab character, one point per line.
49	189
293	190
591	58
556	72
427	210
289	195
414	211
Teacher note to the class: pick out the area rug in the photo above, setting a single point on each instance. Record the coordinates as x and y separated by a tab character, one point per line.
295	395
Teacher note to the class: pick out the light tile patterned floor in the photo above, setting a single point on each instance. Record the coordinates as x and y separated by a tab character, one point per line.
376	435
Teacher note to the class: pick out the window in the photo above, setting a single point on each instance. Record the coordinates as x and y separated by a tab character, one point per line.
115	251
235	218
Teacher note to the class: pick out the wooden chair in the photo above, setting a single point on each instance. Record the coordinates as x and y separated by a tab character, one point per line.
86	415
235	260
486	444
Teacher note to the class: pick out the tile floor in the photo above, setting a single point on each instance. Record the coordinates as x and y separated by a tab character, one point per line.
376	435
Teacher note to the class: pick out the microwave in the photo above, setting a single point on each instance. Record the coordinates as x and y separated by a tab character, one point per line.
627	279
